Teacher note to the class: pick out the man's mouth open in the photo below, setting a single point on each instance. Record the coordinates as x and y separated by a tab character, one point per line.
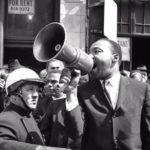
94	66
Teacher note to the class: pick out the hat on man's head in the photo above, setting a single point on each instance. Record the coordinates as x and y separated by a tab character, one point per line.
13	64
143	68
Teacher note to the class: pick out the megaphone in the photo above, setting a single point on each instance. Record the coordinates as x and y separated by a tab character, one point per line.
51	43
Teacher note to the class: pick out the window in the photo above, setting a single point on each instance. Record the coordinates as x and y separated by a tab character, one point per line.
124	11
142	22
133	16
23	27
95	18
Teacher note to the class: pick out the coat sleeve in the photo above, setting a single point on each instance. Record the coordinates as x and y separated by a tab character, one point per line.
75	122
145	125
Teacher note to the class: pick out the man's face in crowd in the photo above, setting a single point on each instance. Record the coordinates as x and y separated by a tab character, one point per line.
53	86
55	65
103	59
144	76
30	95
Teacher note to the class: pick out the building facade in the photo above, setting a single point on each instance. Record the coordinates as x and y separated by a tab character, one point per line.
133	29
21	20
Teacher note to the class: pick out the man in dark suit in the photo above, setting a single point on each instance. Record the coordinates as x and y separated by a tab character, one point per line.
116	108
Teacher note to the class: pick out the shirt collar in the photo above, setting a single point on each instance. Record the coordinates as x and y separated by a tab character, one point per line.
55	98
114	80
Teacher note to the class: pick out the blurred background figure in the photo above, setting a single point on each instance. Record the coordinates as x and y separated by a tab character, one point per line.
55	64
144	71
13	64
43	74
3	77
125	73
136	74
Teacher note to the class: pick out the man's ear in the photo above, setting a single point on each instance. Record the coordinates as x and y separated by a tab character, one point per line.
115	57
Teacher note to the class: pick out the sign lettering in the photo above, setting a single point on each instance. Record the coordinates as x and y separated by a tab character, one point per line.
125	47
21	6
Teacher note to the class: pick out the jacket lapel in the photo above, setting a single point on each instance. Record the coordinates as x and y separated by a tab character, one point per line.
123	90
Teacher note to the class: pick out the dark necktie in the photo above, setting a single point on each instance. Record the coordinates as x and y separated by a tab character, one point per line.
106	93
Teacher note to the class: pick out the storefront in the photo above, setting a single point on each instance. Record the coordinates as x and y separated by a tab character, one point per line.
20	21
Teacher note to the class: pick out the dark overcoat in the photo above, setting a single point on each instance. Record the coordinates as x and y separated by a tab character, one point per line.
18	129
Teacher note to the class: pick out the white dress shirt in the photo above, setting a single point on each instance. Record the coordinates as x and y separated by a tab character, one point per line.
112	87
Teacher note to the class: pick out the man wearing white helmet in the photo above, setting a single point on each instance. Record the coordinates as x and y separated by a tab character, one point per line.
18	129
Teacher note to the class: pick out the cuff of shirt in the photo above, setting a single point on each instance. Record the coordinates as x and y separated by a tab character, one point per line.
40	148
71	105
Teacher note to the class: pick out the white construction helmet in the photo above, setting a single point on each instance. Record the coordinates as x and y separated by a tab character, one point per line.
20	76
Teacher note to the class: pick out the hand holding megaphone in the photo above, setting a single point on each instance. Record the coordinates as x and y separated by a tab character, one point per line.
70	77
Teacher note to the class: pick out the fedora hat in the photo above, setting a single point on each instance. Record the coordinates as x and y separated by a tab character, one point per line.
143	68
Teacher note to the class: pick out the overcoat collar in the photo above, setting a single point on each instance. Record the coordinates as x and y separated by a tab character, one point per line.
19	107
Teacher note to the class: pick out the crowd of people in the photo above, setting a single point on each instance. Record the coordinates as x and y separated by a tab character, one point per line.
60	110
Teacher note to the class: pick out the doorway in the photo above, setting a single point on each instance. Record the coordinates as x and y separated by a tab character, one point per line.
25	57
140	52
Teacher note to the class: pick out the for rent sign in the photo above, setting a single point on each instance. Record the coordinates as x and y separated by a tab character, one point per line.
21	6
124	43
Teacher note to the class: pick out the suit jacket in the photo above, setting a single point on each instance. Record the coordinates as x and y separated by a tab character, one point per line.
56	123
125	128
